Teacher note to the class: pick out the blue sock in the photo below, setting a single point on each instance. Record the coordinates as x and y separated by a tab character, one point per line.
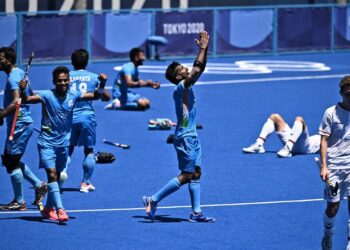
30	176
54	191
172	186
17	185
195	192
49	202
88	166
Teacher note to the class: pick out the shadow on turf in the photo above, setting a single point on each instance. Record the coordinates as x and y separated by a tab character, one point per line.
160	218
70	190
37	219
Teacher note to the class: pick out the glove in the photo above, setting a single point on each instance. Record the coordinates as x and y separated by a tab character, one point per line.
103	157
170	139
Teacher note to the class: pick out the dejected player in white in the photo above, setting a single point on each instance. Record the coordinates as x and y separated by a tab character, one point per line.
296	140
335	158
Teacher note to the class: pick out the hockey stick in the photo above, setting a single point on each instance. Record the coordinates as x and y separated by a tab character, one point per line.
333	188
19	102
123	146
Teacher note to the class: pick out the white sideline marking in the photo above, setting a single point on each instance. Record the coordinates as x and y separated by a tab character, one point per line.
252	80
270	79
171	207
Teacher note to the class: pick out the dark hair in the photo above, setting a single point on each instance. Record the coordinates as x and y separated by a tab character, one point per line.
59	70
345	81
171	73
80	58
10	54
134	52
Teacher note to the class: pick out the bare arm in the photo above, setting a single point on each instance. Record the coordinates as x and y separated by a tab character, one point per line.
201	60
105	96
323	154
140	83
12	106
32	99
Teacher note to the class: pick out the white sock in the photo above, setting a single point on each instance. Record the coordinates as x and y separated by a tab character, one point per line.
297	129
290	145
267	129
328	224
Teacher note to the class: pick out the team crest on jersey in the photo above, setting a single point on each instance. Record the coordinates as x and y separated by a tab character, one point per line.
70	103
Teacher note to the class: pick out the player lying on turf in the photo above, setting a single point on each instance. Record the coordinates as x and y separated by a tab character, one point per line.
296	140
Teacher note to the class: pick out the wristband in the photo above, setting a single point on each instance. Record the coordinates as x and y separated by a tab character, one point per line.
100	90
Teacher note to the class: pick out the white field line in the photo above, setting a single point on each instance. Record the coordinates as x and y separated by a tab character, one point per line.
269	79
171	207
252	80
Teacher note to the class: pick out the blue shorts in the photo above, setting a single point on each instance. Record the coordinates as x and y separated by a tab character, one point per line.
188	151
53	157
132	101
83	134
23	132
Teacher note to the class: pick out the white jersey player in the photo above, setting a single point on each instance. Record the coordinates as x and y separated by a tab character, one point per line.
335	158
296	140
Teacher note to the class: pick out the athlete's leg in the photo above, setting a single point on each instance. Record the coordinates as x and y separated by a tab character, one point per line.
293	139
12	165
143	103
297	129
275	122
88	164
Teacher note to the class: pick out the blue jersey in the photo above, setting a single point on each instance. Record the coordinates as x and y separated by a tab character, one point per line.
83	81
12	83
57	116
185	106
120	88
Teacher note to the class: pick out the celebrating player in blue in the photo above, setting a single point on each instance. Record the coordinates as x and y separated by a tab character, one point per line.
84	121
53	141
186	142
14	149
128	77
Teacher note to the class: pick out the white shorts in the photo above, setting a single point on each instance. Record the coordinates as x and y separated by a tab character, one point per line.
342	176
305	144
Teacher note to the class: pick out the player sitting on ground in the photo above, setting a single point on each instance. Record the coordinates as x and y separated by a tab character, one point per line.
128	77
53	140
186	142
296	140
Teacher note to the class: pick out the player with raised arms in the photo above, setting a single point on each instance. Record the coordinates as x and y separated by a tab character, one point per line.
53	140
186	142
23	129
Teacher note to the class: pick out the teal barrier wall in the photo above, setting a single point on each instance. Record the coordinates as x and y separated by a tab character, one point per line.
234	31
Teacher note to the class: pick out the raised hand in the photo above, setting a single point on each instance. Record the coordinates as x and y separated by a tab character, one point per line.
103	79
23	84
203	41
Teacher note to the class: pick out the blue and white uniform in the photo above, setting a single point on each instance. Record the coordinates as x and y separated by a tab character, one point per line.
186	141
24	125
56	122
336	125
84	120
127	98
